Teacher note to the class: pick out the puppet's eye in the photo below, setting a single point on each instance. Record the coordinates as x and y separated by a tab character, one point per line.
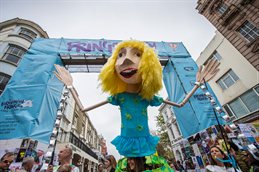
120	55
138	54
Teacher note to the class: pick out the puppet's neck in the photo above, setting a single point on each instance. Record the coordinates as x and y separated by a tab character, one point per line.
133	88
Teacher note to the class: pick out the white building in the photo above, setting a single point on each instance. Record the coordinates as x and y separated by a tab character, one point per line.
236	84
16	36
173	130
76	129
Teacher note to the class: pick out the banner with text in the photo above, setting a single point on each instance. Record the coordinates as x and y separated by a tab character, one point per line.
100	47
179	77
29	103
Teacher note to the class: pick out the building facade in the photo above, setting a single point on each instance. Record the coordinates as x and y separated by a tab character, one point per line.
238	22
236	84
76	129
173	130
16	36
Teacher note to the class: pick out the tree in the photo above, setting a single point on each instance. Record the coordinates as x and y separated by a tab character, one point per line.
164	145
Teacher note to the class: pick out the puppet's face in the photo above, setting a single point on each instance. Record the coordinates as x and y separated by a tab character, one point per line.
127	65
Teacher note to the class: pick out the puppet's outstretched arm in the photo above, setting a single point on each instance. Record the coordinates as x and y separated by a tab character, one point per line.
203	75
64	76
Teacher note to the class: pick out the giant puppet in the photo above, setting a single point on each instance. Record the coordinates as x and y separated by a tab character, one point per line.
132	76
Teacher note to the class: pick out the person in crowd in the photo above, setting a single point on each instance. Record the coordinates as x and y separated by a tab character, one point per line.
64	157
184	164
253	161
216	165
136	164
110	163
101	167
6	160
172	166
179	166
147	163
27	164
189	165
65	168
241	157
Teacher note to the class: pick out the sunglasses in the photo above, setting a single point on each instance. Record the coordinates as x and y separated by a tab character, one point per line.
7	162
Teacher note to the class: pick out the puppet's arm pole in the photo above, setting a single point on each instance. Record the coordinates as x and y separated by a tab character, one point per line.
171	103
187	97
95	106
75	95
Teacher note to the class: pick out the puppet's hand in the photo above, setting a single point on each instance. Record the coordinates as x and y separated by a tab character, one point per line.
63	75
207	72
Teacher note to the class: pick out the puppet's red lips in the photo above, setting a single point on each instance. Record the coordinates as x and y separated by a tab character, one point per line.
127	73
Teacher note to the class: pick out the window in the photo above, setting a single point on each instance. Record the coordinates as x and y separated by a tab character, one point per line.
238	107
249	99
222	8
216	56
172	132
83	130
228	110
227	80
249	31
60	134
177	128
246	103
75	121
3	81
14	54
28	34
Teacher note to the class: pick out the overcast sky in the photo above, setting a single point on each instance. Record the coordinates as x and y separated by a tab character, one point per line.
147	20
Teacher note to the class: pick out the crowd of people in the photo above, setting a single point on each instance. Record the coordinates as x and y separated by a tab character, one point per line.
29	164
244	161
220	161
108	164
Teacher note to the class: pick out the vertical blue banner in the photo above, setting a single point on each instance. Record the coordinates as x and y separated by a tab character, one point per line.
29	104
179	77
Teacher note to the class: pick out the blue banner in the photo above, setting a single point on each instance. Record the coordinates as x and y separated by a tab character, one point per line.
179	77
100	47
29	103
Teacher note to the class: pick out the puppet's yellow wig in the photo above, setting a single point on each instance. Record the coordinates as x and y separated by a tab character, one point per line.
150	70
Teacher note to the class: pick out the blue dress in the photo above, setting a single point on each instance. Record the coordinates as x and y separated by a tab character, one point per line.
135	139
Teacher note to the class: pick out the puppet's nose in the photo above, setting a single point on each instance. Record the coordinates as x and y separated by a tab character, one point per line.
127	61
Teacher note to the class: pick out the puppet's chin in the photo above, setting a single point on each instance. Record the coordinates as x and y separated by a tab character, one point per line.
131	79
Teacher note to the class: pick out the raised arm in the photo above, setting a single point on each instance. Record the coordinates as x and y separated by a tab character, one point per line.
64	76
203	75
